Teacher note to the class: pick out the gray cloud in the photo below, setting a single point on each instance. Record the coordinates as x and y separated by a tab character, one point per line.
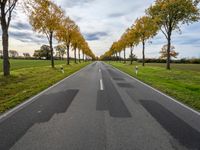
116	15
27	37
21	26
95	36
72	3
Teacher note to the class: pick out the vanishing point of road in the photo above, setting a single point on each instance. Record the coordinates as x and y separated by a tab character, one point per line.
100	108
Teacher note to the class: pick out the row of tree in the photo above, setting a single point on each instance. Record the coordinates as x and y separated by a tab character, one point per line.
45	53
165	16
46	18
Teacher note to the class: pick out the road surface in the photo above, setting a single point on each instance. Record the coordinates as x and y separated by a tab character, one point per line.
100	108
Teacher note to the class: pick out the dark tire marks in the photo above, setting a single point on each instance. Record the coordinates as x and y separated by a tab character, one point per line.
14	127
180	130
125	85
110	100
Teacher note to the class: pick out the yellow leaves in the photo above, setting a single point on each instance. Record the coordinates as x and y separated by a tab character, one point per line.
145	28
172	13
44	16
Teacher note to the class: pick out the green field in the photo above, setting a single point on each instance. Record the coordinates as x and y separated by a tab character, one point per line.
181	82
19	64
29	77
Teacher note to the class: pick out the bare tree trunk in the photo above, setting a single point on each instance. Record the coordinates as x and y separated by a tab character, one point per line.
6	63
168	50
68	55
51	48
124	55
5	37
143	53
131	55
79	56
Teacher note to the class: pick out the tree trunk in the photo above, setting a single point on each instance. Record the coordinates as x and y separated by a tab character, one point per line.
168	50
143	53
131	55
79	56
68	54
6	63
51	48
124	55
75	55
5	37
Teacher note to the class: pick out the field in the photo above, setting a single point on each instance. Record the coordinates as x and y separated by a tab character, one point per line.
181	82
29	77
19	64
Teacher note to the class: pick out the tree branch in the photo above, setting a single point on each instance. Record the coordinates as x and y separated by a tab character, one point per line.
164	33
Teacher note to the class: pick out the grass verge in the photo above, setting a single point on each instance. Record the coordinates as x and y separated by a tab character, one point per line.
182	84
28	81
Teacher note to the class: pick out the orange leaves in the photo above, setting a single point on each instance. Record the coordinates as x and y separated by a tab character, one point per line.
172	52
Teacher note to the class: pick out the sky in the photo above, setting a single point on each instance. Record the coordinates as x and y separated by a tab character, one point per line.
102	22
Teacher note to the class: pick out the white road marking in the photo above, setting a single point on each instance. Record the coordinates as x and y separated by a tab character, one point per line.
99	70
30	100
101	85
176	101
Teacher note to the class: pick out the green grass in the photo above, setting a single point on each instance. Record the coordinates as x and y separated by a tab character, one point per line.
29	78
181	82
19	64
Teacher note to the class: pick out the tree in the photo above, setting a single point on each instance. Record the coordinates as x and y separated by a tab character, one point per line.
45	17
75	42
13	53
133	57
64	34
44	51
60	51
131	39
163	52
80	46
146	28
37	54
6	7
26	55
170	14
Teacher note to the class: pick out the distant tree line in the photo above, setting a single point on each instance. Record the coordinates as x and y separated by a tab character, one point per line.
154	60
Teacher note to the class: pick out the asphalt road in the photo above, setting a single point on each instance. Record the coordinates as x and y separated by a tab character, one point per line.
100	108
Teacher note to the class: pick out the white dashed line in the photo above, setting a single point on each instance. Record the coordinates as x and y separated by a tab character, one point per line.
101	84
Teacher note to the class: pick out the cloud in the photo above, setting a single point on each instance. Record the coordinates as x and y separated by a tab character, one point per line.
73	3
21	26
116	15
95	36
28	37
